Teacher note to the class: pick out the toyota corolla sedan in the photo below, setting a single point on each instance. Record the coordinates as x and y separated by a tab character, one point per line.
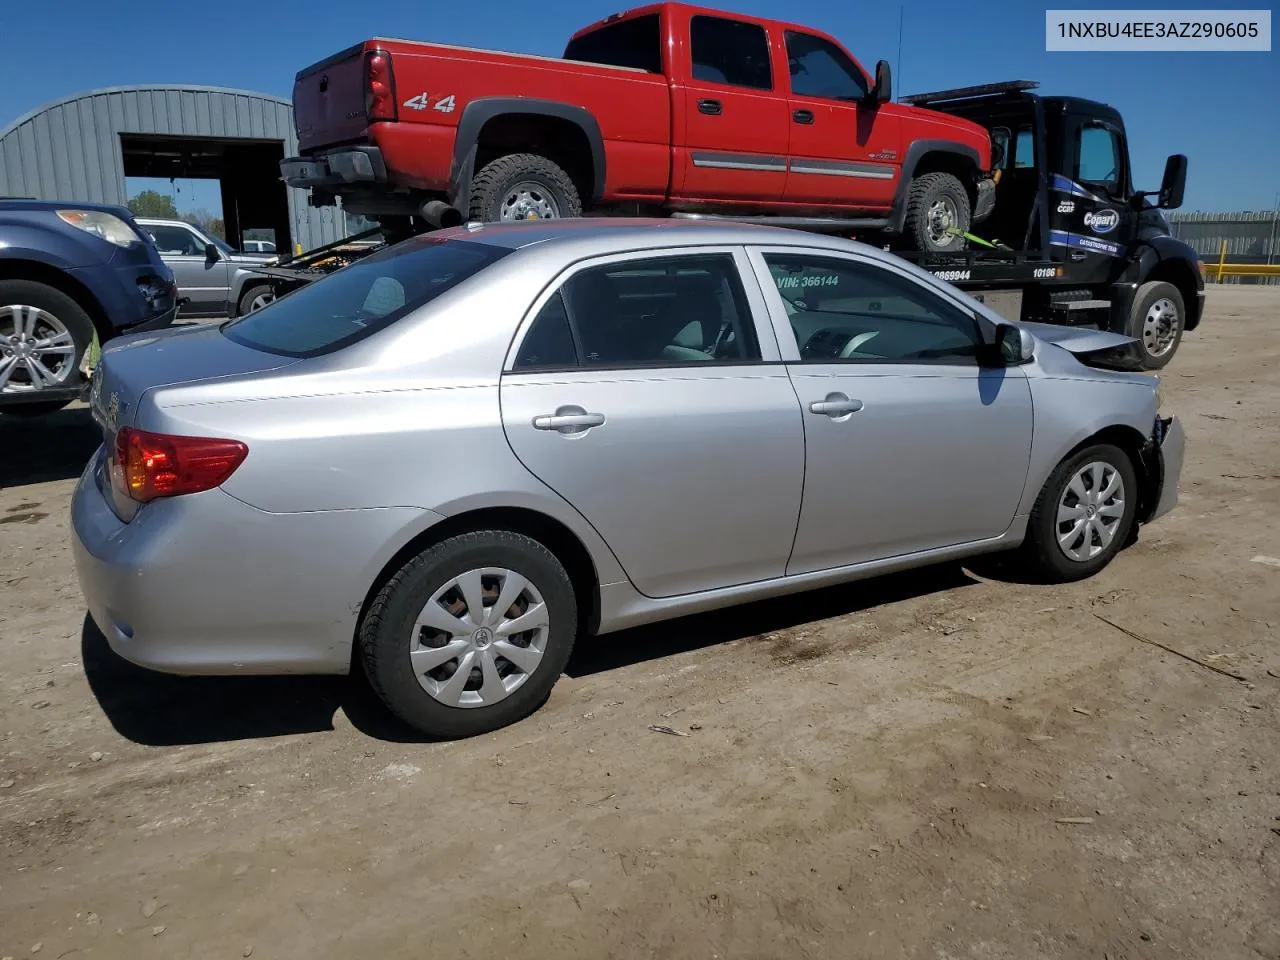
449	460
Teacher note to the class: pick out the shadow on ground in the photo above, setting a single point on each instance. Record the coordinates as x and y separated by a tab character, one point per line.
42	449
162	710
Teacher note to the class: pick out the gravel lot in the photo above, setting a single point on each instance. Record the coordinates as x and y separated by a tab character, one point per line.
881	770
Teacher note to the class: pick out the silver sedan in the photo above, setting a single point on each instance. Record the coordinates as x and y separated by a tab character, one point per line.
449	460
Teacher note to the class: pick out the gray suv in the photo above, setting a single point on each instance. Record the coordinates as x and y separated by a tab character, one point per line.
216	280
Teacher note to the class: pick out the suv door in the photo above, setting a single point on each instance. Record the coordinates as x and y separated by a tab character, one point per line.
638	389
735	115
1091	219
206	282
842	150
910	445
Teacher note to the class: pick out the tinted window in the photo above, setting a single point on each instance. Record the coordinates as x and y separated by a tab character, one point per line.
175	241
841	310
628	43
370	294
821	69
730	51
549	342
666	311
1098	156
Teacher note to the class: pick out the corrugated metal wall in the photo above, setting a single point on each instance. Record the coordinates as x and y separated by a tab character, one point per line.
70	150
1252	236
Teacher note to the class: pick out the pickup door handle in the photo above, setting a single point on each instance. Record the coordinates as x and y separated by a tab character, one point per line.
710	107
802	116
568	422
836	405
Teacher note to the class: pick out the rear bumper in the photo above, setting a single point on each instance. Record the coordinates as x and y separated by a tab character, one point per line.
348	165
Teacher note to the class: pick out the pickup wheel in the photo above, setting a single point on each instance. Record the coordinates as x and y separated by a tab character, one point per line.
523	186
255	298
1156	321
43	337
937	213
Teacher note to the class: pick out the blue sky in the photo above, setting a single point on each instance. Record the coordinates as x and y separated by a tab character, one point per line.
1221	109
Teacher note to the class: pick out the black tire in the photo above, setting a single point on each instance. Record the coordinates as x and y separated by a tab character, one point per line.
64	310
924	192
1041	548
1155	350
386	633
492	184
245	306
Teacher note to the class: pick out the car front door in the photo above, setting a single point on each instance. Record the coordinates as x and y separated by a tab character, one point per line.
205	282
735	116
640	390
910	444
842	149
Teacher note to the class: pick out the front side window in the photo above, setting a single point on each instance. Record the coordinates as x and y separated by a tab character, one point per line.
821	69
175	241
1098	156
730	52
667	311
842	310
369	295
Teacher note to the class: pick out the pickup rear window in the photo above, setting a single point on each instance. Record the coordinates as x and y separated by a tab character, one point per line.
358	300
627	43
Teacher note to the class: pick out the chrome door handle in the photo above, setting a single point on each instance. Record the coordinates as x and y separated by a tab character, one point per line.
568	422
835	405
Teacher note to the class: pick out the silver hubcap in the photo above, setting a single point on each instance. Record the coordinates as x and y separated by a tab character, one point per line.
1160	328
479	638
1090	511
529	201
260	301
36	350
940	220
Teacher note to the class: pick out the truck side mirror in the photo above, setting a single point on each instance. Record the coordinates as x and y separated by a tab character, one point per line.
1174	184
211	253
883	91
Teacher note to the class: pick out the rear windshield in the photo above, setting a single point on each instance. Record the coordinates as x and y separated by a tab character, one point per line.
357	300
627	43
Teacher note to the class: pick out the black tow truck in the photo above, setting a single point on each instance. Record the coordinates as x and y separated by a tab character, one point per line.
1069	240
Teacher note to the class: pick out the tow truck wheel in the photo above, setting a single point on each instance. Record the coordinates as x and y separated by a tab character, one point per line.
1156	321
938	213
523	186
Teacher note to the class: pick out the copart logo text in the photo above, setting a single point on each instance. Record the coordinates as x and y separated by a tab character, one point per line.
1103	221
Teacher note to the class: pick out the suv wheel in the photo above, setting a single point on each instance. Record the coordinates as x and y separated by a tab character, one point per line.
471	634
938	213
43	337
523	186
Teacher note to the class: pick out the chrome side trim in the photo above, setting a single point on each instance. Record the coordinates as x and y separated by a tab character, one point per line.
843	168
739	161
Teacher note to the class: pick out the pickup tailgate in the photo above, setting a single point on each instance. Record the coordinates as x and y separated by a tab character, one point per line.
329	100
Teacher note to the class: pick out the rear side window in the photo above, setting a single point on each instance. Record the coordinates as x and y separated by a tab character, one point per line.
628	43
731	52
367	296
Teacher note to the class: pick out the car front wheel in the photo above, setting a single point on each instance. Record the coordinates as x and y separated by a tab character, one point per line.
1083	515
471	634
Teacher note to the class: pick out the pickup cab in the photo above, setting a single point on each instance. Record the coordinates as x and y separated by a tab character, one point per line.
666	108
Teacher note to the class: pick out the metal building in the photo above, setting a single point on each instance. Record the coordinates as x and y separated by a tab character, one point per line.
83	147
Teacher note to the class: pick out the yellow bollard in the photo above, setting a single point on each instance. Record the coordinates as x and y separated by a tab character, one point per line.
1222	259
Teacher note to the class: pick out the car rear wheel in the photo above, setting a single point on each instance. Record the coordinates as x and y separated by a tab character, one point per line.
523	186
471	634
43	337
938	213
1083	515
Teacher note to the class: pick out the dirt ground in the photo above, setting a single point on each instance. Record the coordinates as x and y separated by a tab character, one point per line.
879	770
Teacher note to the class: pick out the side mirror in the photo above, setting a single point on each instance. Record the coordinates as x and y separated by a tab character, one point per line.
1174	184
883	91
1013	346
211	253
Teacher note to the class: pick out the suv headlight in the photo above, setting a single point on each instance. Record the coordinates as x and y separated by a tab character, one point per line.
105	225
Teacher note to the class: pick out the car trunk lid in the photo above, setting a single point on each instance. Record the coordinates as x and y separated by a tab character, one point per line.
329	105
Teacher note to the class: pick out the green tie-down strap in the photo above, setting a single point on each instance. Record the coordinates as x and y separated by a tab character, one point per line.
993	245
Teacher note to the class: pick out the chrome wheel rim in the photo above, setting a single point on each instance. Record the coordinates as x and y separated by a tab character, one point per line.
1090	510
529	201
479	638
36	350
260	301
940	218
1160	327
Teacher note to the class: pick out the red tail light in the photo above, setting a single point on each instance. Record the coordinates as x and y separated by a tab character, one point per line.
379	87
150	465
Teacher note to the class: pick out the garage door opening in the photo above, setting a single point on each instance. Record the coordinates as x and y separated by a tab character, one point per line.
248	172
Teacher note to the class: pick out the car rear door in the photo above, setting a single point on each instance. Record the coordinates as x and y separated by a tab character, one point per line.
842	148
734	139
910	445
645	390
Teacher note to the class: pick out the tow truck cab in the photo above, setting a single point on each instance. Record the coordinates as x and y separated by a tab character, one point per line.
1066	203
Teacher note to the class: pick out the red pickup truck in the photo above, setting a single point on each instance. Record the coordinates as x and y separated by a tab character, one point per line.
667	107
